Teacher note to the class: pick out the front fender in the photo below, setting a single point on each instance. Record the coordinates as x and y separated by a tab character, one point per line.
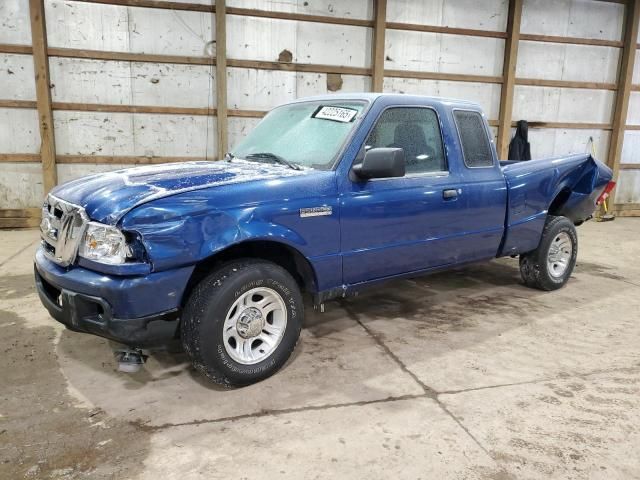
173	237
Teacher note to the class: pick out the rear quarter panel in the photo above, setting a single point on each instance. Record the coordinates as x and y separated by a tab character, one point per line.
533	186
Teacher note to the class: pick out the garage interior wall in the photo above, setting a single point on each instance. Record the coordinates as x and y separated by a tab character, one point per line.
135	81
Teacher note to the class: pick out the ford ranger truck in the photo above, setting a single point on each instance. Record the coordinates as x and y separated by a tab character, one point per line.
326	196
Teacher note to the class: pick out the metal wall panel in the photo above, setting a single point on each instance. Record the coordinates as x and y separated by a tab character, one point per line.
253	38
118	28
573	18
21	185
551	104
484	15
19	131
16	77
437	52
485	94
547	142
87	26
15	26
358	9
90	81
558	61
96	133
239	128
132	83
628	189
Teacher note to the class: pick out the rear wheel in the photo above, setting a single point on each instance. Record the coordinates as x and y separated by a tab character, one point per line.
242	322
550	265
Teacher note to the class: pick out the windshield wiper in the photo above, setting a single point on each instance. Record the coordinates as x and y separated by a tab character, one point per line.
273	156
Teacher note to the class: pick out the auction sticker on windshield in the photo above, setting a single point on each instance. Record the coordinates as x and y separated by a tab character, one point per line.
337	114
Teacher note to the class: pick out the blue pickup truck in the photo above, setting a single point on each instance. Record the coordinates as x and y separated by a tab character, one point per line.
327	195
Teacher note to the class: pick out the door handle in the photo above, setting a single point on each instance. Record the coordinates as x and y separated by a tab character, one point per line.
450	194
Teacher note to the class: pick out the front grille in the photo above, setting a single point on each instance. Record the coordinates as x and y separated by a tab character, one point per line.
61	229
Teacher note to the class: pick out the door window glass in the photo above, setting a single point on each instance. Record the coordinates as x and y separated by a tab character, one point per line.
417	132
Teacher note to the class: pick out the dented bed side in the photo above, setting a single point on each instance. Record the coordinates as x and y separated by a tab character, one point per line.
567	186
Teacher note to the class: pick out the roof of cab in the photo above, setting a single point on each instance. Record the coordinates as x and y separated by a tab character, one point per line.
371	97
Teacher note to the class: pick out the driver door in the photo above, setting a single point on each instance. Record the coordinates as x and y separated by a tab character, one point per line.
392	226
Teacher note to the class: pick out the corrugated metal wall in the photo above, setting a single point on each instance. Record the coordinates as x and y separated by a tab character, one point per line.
147	90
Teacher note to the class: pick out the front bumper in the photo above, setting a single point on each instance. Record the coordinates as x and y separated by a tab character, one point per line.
139	311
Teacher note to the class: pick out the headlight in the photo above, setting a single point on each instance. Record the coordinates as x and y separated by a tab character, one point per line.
104	244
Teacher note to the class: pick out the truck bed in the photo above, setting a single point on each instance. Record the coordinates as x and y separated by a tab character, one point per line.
567	186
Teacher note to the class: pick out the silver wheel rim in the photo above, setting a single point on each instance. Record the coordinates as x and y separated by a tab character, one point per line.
559	255
254	325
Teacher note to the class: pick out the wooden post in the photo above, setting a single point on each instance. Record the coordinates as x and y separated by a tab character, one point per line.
625	75
43	94
377	55
509	77
221	77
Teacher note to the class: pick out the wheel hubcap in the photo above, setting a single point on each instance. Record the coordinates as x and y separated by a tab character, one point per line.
559	256
250	323
255	325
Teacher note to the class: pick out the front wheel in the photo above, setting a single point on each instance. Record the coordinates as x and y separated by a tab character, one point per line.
242	322
550	265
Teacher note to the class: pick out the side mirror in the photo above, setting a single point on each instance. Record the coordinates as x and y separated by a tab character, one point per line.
381	163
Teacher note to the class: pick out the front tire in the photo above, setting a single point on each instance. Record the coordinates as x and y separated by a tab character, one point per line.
242	322
549	266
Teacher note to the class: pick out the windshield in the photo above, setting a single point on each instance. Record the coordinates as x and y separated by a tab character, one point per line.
307	134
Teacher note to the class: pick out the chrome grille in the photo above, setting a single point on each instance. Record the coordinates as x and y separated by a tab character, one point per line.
61	229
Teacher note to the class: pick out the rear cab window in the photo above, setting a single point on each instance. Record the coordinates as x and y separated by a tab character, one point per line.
476	149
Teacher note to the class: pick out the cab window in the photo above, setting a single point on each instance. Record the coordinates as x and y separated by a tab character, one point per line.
417	131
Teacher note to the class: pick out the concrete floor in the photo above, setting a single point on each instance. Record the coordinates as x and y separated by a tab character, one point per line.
466	374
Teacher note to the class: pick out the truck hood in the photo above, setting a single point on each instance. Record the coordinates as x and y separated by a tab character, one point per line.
106	197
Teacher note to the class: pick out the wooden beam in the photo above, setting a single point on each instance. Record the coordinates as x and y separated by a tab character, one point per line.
245	12
247	113
298	67
508	77
20	212
470	32
377	49
625	76
16	49
569	125
626	206
539	82
93	107
221	78
43	94
455	77
301	17
18	104
19	158
129	57
191	7
571	40
19	217
629	166
627	209
19	222
122	159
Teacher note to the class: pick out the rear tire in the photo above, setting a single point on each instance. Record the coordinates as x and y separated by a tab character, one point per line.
242	322
549	266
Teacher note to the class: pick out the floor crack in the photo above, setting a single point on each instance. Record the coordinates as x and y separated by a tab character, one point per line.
428	391
264	413
17	253
562	376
